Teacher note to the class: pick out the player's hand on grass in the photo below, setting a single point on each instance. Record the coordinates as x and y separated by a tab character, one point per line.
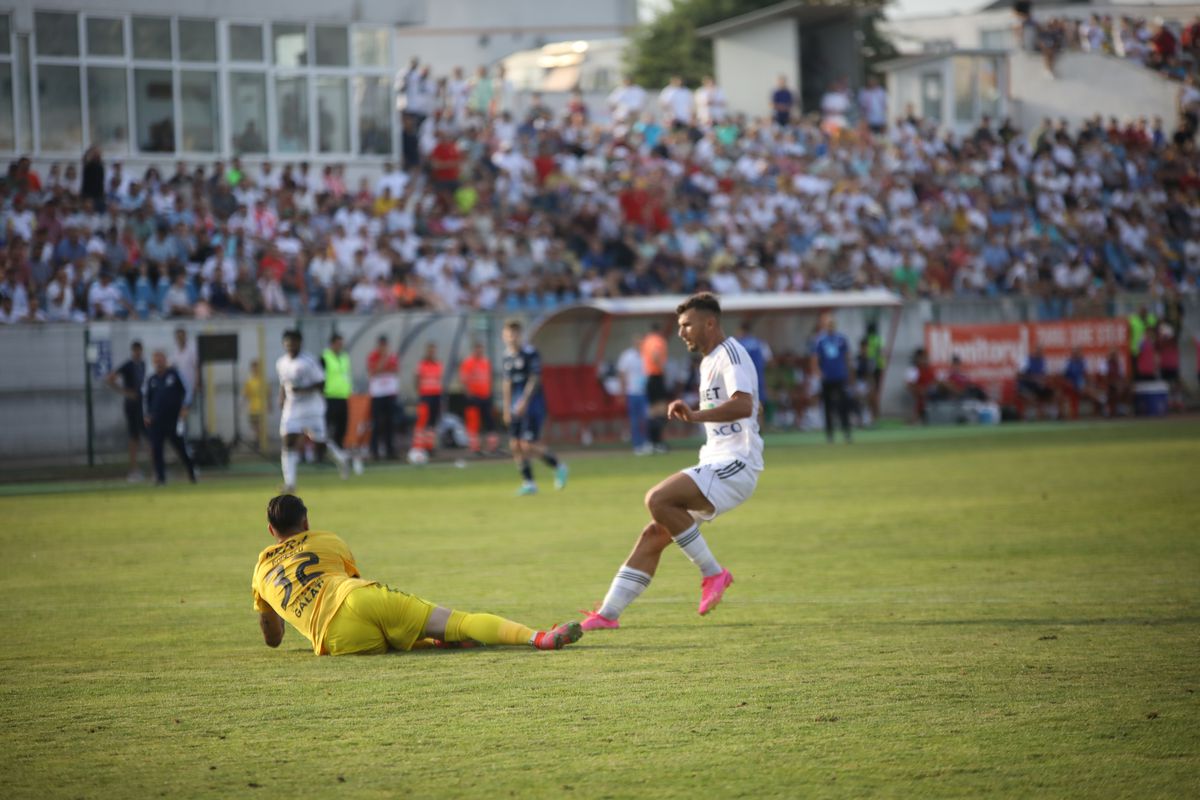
679	410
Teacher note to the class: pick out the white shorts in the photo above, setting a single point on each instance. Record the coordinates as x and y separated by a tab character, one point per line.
311	424
726	485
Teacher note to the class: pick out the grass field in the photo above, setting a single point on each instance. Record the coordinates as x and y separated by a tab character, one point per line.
936	615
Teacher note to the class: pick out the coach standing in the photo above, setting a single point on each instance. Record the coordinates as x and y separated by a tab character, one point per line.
337	389
831	355
167	399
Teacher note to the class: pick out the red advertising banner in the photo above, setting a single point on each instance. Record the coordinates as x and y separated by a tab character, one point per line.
992	355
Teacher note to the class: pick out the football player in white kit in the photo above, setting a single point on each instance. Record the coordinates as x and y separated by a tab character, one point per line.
730	462
301	396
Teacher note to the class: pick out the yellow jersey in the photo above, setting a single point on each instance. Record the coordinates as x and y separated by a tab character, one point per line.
305	580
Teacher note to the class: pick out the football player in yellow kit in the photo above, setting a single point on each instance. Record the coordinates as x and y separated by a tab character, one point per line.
310	579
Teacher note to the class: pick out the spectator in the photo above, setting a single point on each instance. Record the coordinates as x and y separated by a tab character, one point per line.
873	105
920	380
782	102
258	402
831	360
128	379
626	101
92	185
383	385
1033	382
633	388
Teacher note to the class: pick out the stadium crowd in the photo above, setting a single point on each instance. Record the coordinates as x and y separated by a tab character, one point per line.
1169	47
656	193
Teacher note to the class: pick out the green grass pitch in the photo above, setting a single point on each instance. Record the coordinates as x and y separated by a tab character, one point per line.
926	614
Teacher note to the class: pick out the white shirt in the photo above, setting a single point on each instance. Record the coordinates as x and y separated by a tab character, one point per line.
677	102
184	361
299	373
874	105
626	102
724	372
629	366
106	297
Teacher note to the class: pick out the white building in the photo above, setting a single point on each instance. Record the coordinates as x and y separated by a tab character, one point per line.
153	81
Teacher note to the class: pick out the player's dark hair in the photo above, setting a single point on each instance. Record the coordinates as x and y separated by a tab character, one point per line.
514	325
704	301
293	333
334	337
135	343
285	512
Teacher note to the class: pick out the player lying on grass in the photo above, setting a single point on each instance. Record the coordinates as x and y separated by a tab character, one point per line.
726	476
309	578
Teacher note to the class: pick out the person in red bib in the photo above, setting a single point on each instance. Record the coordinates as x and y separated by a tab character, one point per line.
476	375
429	399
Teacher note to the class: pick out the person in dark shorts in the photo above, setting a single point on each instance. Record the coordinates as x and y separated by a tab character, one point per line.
128	380
1033	382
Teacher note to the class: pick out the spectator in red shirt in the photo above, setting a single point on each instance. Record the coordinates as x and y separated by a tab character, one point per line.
920	379
445	164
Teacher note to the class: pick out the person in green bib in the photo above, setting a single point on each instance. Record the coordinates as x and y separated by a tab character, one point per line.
1139	323
877	361
338	384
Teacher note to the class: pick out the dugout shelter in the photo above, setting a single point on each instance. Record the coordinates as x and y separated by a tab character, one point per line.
577	342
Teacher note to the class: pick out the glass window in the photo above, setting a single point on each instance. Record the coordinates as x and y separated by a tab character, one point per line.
8	128
373	104
290	43
996	39
57	35
333	115
248	102
58	107
200	104
291	103
964	88
152	38
108	109
245	42
372	47
197	40
154	99
25	92
105	37
5	35
989	87
332	47
931	96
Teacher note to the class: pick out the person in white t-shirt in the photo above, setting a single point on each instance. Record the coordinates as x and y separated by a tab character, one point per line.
302	400
625	102
104	298
872	102
726	476
710	103
633	386
675	101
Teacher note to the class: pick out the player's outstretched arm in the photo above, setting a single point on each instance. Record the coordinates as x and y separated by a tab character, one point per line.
272	627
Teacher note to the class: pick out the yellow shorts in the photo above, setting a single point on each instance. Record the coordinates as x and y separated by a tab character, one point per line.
375	619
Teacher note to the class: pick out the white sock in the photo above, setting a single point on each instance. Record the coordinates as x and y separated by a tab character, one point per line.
626	586
339	455
289	459
696	549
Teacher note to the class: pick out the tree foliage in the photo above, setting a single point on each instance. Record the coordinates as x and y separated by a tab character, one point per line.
669	45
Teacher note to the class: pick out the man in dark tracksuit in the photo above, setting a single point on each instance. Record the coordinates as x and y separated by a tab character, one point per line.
166	399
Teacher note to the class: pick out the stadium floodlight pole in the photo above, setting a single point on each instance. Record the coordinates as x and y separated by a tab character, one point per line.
90	356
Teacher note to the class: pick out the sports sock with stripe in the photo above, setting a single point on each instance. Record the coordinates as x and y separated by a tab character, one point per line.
550	459
696	549
628	584
288	459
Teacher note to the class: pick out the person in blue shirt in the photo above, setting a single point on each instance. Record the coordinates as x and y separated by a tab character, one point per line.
831	355
166	398
525	409
760	353
782	101
1033	382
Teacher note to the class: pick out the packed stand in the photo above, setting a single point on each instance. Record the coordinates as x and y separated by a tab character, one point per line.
656	192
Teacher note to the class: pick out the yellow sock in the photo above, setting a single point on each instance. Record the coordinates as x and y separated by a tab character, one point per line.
486	629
